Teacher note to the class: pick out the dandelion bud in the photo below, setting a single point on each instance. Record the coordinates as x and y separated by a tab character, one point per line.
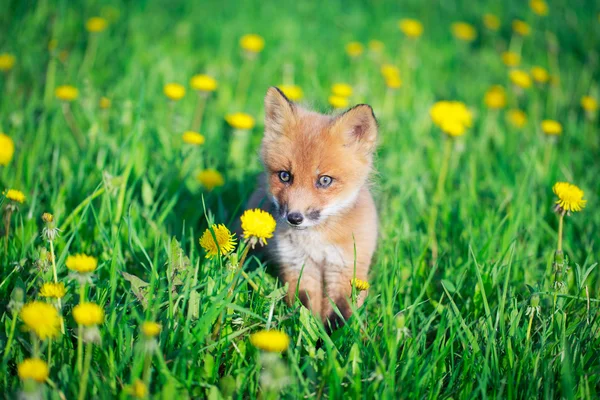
534	301
47	217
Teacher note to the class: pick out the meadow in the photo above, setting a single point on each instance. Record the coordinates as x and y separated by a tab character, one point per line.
130	128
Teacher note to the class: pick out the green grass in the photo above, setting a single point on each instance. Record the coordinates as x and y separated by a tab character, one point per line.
130	198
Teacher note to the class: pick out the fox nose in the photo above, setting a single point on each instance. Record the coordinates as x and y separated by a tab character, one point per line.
295	218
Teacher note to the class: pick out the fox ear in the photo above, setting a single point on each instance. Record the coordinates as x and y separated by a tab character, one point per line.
279	111
359	125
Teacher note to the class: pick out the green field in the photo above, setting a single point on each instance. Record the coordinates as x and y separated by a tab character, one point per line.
468	297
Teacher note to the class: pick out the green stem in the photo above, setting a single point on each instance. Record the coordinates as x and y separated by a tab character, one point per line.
7	219
244	82
73	124
86	372
36	345
529	326
80	331
147	368
201	104
438	197
90	53
560	232
62	323
11	335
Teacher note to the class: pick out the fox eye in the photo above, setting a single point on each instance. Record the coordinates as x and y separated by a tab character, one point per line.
284	176
324	181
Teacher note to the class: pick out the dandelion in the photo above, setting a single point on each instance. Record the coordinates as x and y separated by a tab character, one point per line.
551	127
412	28
257	226
491	22
338	101
359	284
520	78
389	70
96	24
521	27
174	91
588	103
464	31
539	74
376	46
252	43
15	195
34	369
7	62
511	59
495	97
270	340
66	93
88	314
540	7
210	179
50	231
452	117
516	118
203	83
570	197
354	49
42	319
194	138
341	89
137	389
222	243
393	81
104	103
53	290
292	92
151	329
82	263
7	149
240	121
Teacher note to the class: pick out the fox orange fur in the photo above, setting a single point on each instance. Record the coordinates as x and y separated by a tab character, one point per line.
316	183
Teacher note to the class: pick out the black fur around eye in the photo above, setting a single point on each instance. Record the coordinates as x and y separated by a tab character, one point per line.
285	176
324	181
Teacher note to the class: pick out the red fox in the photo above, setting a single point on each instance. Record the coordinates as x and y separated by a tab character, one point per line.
316	183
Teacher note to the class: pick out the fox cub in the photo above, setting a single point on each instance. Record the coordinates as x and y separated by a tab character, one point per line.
316	184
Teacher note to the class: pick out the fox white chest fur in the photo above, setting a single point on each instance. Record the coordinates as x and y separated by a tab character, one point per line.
317	170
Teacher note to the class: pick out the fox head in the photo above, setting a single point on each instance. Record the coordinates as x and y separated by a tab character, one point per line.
316	164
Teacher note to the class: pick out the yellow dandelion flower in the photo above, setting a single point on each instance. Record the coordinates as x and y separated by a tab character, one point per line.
516	118
338	101
174	91
34	369
354	49
464	31
66	93
88	314
151	329
7	149
540	7
258	224
210	179
551	127
225	241
138	389
240	120
252	43
190	137
521	27
14	195
491	22
539	74
393	81
292	92
452	117
495	97
376	46
42	319
389	70
412	28
203	83
96	24
54	290
341	89
104	103
520	78
360	284
47	217
511	59
271	340
82	263
570	197
7	62
588	103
